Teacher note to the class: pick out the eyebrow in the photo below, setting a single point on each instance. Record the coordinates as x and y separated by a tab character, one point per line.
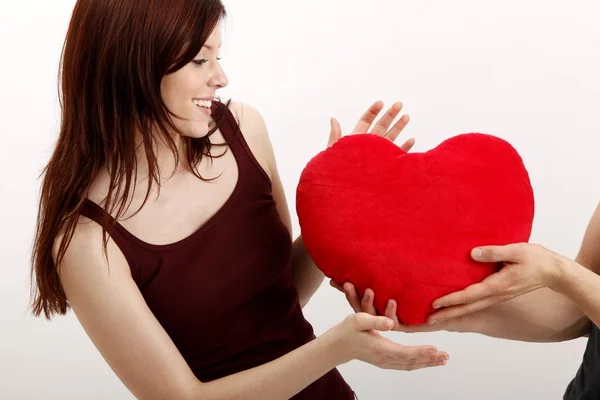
209	47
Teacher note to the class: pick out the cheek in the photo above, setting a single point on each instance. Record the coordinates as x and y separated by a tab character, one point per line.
174	96
177	92
178	89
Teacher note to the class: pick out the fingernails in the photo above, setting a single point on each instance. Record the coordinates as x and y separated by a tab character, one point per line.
476	253
366	296
389	324
433	321
390	305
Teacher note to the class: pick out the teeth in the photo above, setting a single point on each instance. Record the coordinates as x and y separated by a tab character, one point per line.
202	103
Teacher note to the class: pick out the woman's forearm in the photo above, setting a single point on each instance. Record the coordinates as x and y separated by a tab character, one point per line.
279	379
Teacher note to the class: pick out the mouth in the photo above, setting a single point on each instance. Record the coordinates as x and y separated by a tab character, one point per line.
202	103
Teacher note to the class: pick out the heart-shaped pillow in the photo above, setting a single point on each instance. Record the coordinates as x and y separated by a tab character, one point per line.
404	224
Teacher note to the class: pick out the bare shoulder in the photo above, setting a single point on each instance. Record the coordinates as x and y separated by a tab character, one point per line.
115	316
79	242
84	257
254	129
250	119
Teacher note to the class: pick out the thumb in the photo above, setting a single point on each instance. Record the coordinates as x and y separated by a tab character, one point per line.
367	322
494	253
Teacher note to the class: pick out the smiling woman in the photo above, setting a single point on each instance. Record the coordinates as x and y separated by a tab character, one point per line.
190	91
155	243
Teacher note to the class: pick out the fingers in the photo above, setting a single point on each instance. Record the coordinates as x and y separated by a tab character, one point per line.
352	297
414	357
437	359
415	352
508	253
398	127
367	302
462	310
366	120
493	285
358	305
421	356
413	367
336	285
365	322
336	132
408	145
471	294
390	312
381	127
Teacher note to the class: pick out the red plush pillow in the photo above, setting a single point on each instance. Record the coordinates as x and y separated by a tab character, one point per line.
403	224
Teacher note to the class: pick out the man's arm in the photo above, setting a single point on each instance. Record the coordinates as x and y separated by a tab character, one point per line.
539	316
545	315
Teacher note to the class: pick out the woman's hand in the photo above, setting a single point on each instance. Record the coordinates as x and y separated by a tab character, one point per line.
474	322
357	338
381	128
526	267
365	304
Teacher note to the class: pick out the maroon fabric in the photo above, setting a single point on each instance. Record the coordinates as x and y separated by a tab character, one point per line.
224	294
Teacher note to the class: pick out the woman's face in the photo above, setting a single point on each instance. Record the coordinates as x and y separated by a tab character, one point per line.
189	91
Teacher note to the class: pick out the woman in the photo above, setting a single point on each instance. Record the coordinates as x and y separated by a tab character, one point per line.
178	261
538	296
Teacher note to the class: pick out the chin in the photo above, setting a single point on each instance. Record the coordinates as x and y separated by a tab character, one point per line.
196	131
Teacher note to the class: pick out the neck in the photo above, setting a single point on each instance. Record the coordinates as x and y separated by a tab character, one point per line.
167	169
168	165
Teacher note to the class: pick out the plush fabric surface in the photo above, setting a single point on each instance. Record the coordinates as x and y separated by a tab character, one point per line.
403	224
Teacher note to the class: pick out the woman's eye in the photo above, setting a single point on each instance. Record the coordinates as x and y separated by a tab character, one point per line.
200	62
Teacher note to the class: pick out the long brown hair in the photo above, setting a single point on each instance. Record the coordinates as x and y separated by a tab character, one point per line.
114	57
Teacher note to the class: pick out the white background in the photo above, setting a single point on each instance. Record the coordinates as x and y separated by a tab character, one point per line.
524	70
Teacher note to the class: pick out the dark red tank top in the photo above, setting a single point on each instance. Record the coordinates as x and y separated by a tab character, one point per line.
224	294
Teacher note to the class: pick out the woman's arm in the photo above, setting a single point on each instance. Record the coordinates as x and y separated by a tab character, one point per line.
115	316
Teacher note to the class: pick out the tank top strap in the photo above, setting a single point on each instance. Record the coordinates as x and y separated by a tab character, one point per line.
97	214
229	127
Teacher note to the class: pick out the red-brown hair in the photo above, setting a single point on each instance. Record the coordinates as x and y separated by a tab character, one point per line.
114	57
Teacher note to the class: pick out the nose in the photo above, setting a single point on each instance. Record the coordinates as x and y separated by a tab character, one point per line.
219	79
